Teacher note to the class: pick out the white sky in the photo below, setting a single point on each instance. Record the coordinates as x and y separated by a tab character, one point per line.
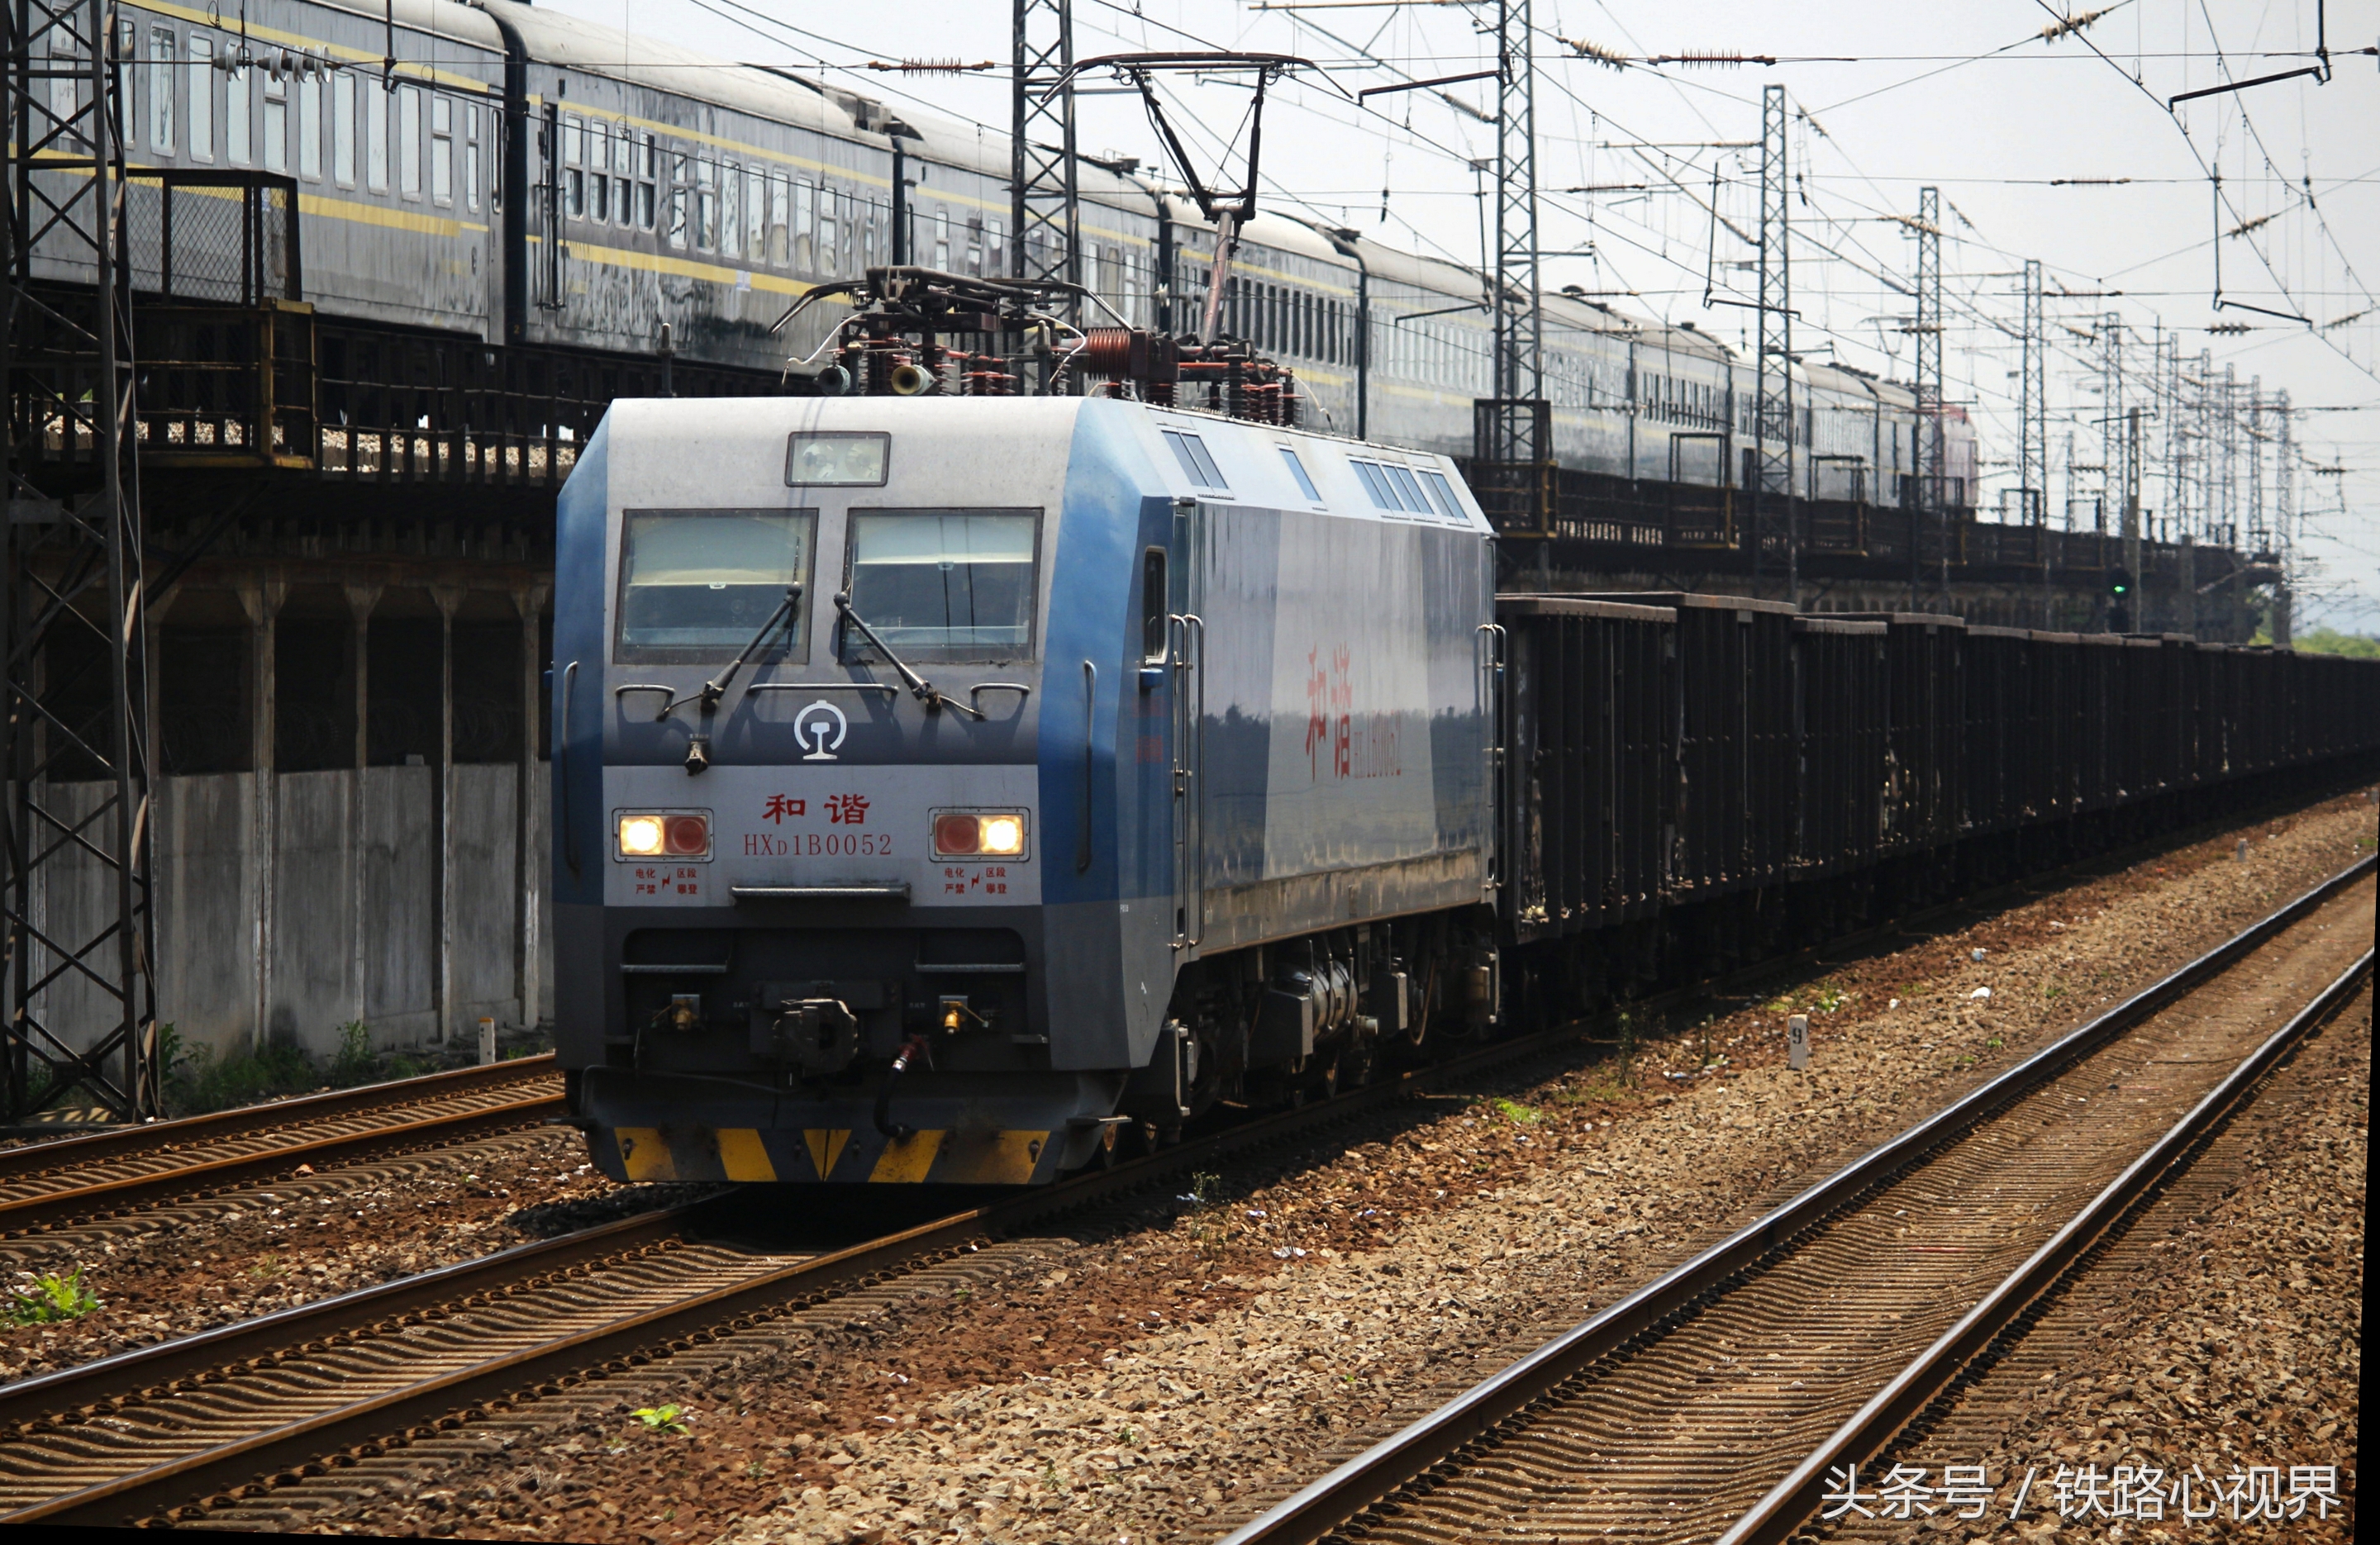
1967	98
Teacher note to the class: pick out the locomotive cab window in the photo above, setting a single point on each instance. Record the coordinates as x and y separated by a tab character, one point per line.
695	584
942	584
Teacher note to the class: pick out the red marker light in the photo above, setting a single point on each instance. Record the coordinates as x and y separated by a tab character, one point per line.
957	834
687	836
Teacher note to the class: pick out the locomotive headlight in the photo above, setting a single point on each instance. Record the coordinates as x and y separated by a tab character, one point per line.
665	834
640	836
979	834
1003	834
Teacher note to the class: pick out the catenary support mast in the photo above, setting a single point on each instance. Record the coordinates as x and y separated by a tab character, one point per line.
76	863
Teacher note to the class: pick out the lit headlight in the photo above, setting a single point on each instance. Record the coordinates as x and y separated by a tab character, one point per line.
1003	834
665	834
979	834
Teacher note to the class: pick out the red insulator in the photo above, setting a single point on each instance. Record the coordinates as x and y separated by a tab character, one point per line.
1107	351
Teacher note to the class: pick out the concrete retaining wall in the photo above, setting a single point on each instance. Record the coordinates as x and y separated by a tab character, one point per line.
290	904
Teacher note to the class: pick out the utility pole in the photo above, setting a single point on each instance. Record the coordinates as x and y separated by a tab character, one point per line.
1772	419
74	726
1044	206
1512	430
1933	470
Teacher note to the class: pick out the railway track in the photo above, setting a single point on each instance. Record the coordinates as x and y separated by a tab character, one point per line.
181	1428
177	1429
44	1185
1714	1402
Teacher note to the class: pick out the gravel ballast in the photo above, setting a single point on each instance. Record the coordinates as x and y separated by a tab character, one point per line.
1165	1375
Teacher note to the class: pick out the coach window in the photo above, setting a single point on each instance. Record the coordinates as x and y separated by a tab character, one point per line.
408	140
573	163
343	129
310	126
695	584
239	121
201	76
779	202
942	240
942	584
201	95
276	124
756	215
804	228
160	89
442	150
647	160
375	138
828	246
673	226
706	204
731	211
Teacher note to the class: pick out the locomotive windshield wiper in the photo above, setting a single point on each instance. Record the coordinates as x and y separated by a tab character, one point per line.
716	688
921	689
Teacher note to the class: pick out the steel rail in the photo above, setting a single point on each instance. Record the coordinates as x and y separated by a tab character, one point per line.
140	1377
100	1198
1777	1515
149	1374
35	1158
1316	1511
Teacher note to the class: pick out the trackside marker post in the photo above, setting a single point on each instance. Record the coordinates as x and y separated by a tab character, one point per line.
487	1042
1797	1042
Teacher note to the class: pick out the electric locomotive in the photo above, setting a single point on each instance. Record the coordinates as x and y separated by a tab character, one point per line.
944	783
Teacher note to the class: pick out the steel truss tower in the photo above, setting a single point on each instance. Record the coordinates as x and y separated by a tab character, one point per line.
1045	202
1933	469
74	865
1513	429
1772	417
2032	408
2260	532
2112	443
2229	427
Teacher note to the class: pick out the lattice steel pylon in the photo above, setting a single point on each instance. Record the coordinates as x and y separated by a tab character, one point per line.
2032	408
2260	533
2111	416
1933	458
1772	413
1513	428
1045	202
76	862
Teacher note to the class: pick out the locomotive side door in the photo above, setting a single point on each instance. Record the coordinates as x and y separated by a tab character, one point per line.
1186	653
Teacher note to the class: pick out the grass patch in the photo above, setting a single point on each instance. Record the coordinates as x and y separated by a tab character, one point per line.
198	1079
1519	1114
53	1297
663	1418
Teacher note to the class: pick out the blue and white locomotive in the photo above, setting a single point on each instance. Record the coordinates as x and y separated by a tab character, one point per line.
947	783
